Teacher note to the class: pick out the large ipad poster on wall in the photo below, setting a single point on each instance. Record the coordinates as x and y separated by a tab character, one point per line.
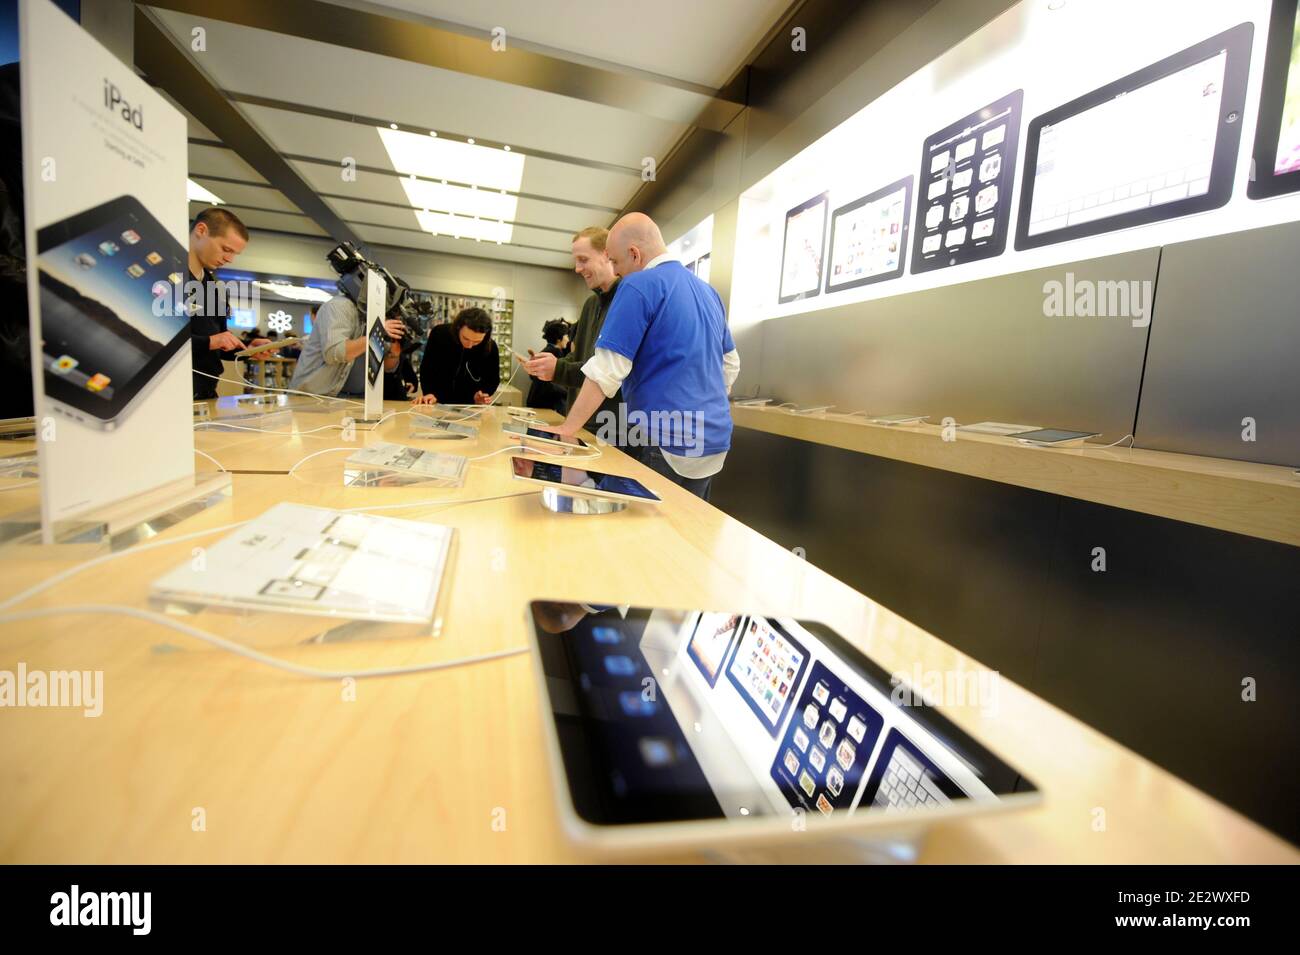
1277	134
1156	144
105	167
801	254
963	204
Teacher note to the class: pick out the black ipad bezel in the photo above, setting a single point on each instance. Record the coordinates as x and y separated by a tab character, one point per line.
1272	98
508	428
584	491
1236	43
74	226
585	759
823	198
904	235
996	243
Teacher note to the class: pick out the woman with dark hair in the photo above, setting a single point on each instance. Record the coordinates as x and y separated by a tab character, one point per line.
461	363
547	394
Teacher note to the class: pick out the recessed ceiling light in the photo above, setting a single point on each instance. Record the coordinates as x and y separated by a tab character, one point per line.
392	125
433	133
196	193
506	148
451	176
470	140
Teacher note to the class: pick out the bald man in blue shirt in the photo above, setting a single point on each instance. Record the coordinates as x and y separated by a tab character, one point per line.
666	343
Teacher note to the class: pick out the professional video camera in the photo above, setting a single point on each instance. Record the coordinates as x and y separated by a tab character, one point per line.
353	268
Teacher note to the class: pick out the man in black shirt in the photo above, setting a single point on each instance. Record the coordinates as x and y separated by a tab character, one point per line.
216	237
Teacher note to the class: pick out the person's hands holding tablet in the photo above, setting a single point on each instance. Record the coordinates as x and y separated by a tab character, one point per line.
224	341
482	398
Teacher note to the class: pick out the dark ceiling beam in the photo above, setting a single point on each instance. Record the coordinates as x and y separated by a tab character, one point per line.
372	32
166	66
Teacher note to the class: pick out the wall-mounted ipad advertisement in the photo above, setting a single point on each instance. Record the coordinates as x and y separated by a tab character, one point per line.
1276	165
105	169
1045	137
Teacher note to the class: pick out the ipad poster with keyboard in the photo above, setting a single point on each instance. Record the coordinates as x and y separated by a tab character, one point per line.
821	761
967	172
905	778
106	218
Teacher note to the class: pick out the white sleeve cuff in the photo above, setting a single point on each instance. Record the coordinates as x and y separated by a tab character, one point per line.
730	368
607	369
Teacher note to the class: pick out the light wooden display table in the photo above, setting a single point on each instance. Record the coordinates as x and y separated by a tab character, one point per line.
418	767
1259	500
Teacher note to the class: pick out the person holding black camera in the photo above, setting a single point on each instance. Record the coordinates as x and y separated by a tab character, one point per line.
400	380
461	363
328	364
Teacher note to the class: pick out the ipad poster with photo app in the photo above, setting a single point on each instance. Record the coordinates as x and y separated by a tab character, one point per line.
110	158
869	238
963	205
710	642
823	755
765	668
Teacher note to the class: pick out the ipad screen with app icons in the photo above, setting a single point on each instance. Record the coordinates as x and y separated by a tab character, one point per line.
644	729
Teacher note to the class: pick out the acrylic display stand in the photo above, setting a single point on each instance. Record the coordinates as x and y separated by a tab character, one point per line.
118	525
561	503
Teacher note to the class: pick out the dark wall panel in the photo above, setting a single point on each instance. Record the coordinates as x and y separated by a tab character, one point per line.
1152	651
1225	345
963	558
976	351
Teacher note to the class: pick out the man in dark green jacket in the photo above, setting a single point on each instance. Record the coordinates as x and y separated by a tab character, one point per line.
589	261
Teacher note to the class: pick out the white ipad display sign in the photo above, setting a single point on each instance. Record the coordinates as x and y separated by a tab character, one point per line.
106	243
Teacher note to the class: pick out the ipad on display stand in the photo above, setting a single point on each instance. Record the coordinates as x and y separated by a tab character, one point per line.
1054	437
546	442
571	490
758	721
1156	144
1276	164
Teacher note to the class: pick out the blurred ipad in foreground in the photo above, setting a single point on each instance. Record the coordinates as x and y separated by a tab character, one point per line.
697	727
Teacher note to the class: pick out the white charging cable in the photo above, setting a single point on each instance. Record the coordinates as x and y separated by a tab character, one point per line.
162	620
